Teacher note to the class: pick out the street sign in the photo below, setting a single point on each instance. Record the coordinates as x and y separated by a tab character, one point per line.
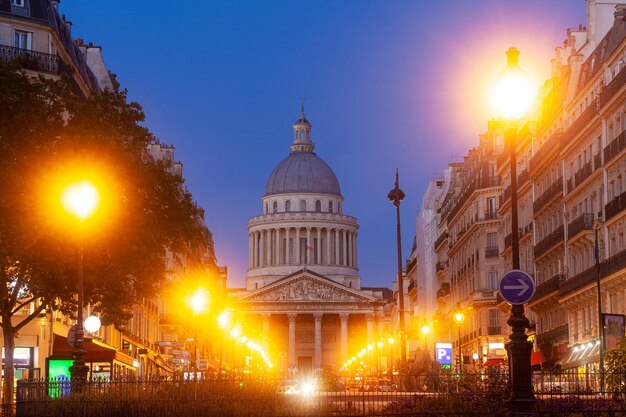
71	336
178	360
516	287
444	353
179	352
169	343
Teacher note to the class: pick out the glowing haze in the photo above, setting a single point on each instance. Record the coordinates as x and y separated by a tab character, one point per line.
388	84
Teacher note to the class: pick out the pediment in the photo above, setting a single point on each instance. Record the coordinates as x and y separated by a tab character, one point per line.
306	287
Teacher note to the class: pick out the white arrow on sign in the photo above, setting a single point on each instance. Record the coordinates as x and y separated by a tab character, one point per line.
523	287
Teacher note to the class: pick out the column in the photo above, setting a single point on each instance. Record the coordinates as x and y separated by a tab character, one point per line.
255	239
336	247
288	253
268	245
266	330
356	256
297	245
308	247
261	248
277	247
344	336
250	250
345	247
319	246
292	339
317	362
328	254
380	323
370	327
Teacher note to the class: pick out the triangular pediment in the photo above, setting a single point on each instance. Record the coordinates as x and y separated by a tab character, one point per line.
305	286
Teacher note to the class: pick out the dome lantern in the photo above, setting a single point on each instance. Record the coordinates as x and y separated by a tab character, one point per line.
302	134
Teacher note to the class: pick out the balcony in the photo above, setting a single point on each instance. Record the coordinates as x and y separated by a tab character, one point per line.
31	60
590	275
494	330
441	239
411	286
597	160
506	194
548	287
491	215
492	252
522	178
508	241
583	222
613	87
440	266
556	335
615	147
553	190
541	153
444	290
469	190
549	241
615	206
577	126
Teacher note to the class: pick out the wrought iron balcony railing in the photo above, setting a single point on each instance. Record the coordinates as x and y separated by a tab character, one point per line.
615	206
613	87
542	152
549	241
553	190
615	147
548	287
588	276
494	330
558	334
442	238
440	266
583	120
31	60
492	252
582	222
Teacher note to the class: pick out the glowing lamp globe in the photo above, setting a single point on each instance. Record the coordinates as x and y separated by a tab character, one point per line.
92	324
80	199
514	93
459	317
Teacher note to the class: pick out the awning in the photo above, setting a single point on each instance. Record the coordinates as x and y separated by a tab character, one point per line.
494	362
95	351
581	354
536	358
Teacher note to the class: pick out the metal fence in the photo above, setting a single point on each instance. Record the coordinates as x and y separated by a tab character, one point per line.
440	394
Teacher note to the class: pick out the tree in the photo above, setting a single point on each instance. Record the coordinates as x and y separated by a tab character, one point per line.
48	136
615	366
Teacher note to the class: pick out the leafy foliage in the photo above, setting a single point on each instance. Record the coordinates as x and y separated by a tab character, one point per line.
49	136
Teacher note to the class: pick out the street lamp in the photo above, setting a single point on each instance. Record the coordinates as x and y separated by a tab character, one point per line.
425	331
396	196
513	97
81	199
198	303
458	318
596	226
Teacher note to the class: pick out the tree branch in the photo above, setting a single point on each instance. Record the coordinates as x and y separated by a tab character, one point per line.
28	319
20	305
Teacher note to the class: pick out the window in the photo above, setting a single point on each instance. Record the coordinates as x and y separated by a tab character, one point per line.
302	205
22	40
318	206
266	209
493	279
19	3
494	318
492	240
330	206
275	206
287	205
491	205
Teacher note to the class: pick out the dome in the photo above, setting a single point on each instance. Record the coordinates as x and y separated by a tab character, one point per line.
302	172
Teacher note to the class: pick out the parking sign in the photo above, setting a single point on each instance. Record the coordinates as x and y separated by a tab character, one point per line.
443	353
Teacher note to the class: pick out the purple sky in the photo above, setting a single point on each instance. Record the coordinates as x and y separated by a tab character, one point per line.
387	84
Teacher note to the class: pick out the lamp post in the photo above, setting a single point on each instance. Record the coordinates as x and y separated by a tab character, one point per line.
458	318
596	226
81	199
513	98
396	196
425	330
198	303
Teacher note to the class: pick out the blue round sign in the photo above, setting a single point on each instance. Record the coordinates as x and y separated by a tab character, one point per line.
517	287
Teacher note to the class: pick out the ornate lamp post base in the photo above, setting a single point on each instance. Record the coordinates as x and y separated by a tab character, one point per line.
519	350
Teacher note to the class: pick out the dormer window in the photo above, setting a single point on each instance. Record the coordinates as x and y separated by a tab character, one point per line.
19	3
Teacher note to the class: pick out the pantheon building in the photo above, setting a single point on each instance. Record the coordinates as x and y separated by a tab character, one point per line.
303	291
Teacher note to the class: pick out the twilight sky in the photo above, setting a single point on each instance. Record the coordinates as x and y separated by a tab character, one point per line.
387	84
